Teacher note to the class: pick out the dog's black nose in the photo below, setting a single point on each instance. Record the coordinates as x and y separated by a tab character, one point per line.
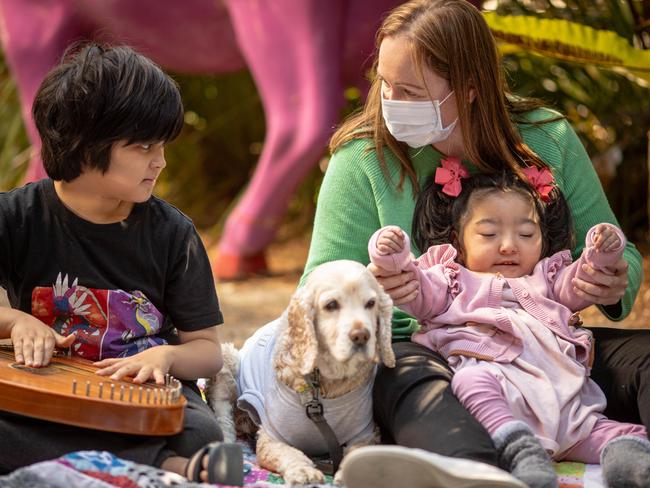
359	336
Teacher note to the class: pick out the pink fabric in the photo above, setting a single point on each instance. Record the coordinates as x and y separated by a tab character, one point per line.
545	386
588	451
449	175
452	294
541	180
480	393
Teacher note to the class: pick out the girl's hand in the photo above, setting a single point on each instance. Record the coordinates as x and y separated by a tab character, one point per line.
390	241
603	289
605	239
402	287
153	363
34	342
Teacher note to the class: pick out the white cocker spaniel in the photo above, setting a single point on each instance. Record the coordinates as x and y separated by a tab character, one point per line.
336	329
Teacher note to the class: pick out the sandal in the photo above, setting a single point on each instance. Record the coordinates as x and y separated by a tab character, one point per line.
225	464
231	267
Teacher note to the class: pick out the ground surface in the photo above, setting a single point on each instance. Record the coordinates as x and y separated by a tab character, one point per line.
249	304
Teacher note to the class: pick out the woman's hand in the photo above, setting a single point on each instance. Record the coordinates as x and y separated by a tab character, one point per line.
154	362
34	342
402	287
603	289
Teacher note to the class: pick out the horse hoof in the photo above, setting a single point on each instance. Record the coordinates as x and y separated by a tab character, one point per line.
230	267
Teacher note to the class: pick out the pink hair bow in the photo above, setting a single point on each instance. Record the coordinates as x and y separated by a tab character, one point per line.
542	180
450	174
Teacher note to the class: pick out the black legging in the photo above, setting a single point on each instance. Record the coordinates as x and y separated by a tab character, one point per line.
414	405
622	370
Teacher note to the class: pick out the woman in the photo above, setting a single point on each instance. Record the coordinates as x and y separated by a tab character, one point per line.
439	91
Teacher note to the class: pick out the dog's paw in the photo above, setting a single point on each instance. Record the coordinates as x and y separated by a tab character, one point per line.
303	475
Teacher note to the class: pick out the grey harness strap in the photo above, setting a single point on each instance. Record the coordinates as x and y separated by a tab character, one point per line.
314	411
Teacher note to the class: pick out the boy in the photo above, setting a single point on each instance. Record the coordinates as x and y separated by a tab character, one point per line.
93	239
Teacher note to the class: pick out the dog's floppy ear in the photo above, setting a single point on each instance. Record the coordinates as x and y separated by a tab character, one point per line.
300	342
384	326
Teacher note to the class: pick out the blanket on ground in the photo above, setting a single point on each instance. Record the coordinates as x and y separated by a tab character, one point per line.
100	469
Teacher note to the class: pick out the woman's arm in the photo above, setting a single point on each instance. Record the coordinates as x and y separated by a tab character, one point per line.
355	200
347	211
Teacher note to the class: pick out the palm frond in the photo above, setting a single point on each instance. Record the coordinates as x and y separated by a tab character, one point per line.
570	41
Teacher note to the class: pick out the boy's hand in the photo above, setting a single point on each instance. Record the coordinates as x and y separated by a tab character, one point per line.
605	239
153	363
34	342
390	241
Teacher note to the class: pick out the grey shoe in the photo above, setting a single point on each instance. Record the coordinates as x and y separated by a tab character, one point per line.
520	452
392	466
626	462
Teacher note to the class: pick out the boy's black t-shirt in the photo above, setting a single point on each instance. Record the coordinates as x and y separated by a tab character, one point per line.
120	287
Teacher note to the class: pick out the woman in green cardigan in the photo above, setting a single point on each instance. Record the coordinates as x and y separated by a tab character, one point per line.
439	91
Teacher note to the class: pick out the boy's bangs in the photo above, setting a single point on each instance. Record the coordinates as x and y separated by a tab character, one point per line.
157	116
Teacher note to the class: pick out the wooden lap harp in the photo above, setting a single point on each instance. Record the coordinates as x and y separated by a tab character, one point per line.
68	391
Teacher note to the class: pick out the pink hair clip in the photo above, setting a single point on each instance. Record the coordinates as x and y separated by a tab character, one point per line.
541	180
449	175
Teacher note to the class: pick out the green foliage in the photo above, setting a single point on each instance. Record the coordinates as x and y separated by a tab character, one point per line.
14	146
610	112
215	155
615	15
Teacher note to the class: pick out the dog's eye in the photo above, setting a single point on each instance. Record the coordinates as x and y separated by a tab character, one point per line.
332	305
370	303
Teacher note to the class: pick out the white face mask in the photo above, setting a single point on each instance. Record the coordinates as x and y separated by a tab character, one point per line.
416	123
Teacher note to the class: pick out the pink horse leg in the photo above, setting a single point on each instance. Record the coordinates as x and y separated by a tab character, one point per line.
35	34
293	49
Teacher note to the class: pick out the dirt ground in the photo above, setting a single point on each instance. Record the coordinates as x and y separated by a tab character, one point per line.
249	304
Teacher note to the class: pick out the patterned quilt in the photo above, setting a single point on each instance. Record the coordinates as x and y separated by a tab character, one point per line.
100	469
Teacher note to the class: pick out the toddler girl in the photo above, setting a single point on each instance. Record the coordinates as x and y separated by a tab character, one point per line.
498	303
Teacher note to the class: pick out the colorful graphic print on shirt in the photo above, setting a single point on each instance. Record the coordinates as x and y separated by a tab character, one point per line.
107	323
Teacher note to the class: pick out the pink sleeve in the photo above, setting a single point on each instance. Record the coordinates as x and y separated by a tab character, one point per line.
561	278
396	262
435	271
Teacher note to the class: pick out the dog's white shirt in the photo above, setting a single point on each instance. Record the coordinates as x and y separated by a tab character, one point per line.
277	407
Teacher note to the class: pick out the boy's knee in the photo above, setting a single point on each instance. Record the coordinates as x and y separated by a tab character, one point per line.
200	428
203	426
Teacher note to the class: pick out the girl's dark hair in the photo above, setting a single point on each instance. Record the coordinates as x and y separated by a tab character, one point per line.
97	96
438	217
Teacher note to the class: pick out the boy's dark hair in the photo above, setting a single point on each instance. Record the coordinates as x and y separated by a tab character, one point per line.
97	96
438	217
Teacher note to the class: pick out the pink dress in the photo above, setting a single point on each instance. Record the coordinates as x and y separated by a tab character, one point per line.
560	404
